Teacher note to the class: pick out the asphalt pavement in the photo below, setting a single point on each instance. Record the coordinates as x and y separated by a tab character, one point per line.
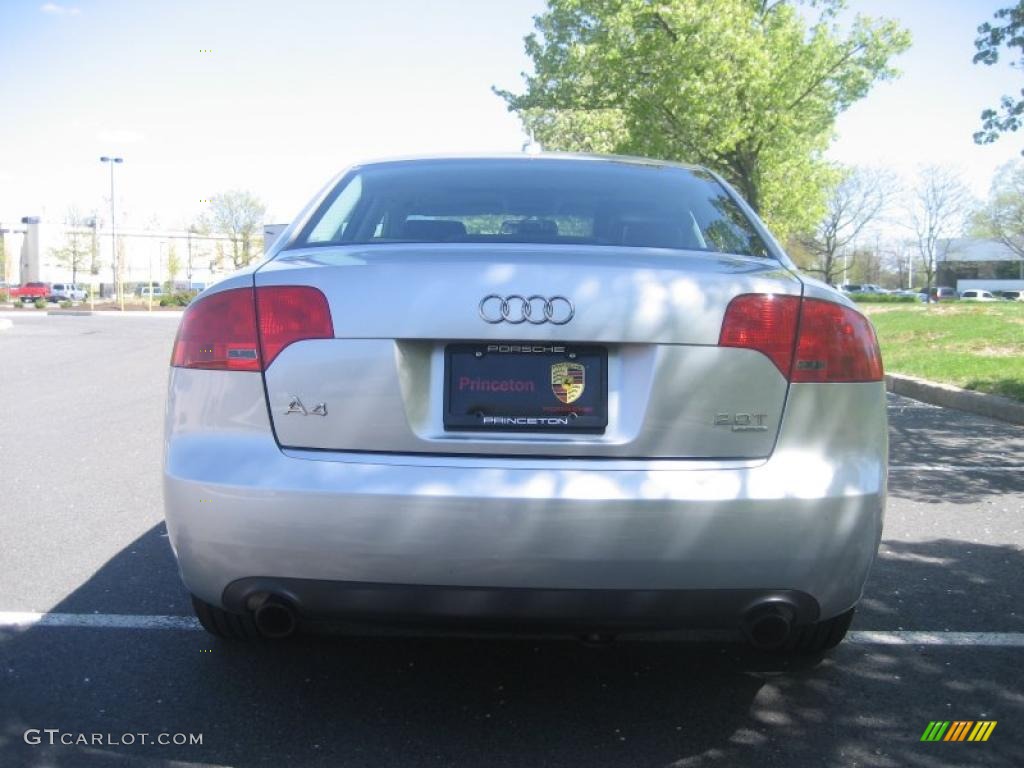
82	541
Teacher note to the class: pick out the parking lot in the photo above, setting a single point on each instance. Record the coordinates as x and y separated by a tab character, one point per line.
939	635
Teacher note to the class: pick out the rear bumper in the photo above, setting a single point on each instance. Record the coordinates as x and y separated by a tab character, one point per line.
507	607
522	537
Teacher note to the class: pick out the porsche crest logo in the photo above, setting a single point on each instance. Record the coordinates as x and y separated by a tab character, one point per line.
568	380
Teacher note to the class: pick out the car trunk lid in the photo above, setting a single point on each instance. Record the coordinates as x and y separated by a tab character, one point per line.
650	318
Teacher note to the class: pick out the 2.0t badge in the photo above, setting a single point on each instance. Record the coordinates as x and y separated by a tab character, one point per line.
568	380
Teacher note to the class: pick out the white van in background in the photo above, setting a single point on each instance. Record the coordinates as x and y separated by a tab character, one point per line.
67	292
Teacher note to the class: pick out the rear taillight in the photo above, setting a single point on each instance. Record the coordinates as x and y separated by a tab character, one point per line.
764	322
836	344
289	313
221	331
218	332
809	340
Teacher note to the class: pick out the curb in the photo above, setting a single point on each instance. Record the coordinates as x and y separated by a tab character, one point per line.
171	313
948	396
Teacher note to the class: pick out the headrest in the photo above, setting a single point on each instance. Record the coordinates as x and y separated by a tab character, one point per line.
432	230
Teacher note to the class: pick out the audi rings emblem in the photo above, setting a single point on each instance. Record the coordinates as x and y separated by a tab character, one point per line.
516	309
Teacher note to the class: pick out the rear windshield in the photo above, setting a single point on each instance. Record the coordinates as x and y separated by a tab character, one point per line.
533	201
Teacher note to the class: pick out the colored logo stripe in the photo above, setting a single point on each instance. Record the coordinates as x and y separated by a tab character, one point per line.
982	730
958	730
935	730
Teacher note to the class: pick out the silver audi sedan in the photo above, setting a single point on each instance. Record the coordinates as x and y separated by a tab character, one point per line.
536	393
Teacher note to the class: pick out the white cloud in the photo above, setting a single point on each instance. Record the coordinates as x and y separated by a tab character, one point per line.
59	10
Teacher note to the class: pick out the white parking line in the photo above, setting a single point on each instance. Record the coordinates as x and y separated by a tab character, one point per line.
955	468
28	620
988	639
25	620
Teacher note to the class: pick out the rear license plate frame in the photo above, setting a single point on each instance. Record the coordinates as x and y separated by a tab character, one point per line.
548	414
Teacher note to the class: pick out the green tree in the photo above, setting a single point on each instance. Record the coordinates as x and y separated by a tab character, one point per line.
936	212
239	215
173	266
1008	32
77	248
742	86
1002	216
856	199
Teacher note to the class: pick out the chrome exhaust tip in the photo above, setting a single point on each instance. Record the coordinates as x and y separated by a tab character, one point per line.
275	618
769	624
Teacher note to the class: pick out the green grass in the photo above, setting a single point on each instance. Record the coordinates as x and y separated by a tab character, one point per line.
975	346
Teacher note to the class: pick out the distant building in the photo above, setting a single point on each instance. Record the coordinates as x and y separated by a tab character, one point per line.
31	246
197	259
976	259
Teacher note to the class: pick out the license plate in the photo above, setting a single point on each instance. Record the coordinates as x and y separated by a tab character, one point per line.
526	387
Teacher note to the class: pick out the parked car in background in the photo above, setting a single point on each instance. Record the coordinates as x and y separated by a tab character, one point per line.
67	292
580	393
975	294
1011	295
919	295
861	288
155	290
944	293
30	291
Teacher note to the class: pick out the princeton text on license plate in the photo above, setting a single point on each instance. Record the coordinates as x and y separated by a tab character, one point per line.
526	387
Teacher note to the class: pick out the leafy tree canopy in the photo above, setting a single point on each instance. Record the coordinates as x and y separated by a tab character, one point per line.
855	200
1002	216
239	215
745	87
1008	32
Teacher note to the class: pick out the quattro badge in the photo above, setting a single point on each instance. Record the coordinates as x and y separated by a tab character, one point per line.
568	380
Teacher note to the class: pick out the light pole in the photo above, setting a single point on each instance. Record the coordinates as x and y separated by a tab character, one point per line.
188	267
118	288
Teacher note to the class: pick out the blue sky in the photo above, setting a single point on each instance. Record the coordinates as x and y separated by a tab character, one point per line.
292	92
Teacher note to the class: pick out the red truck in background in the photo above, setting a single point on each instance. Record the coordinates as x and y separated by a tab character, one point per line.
30	291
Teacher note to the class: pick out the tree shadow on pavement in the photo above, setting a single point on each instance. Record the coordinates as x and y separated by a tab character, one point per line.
969	445
944	585
421	700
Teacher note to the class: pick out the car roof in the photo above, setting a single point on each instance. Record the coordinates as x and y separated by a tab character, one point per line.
535	157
